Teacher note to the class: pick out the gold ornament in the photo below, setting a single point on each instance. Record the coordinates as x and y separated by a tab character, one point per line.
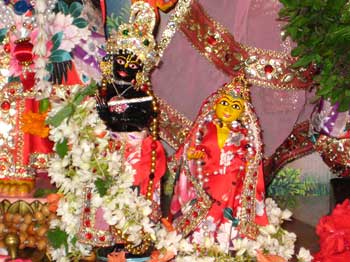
137	35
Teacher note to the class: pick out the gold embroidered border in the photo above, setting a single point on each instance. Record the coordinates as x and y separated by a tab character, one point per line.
189	221
173	126
336	151
264	68
176	18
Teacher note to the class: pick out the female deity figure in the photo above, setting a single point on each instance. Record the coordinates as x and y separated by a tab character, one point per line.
219	169
128	107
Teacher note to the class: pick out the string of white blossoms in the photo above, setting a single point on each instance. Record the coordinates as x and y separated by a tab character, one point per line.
122	206
42	8
88	140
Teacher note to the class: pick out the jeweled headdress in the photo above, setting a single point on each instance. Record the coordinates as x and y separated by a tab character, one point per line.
238	87
137	35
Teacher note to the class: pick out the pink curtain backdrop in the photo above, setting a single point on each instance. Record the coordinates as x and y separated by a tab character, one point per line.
185	78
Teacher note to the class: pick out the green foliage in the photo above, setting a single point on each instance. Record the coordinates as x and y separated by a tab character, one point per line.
3	33
80	22
56	40
113	21
44	105
44	192
75	9
62	148
102	185
321	28
59	56
69	109
287	186
57	238
62	7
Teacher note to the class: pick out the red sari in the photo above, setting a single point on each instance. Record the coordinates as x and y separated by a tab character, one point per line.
224	172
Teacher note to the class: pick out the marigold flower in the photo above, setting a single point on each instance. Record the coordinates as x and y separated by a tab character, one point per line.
34	124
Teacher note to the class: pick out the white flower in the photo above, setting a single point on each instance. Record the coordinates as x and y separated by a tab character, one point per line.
304	255
286	214
268	230
243	245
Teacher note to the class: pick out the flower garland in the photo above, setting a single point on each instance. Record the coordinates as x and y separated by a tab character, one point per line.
87	161
83	158
43	86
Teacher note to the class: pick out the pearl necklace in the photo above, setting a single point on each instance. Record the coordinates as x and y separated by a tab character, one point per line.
198	140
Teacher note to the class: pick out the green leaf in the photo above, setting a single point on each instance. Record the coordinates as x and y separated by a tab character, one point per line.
62	114
297	51
80	22
75	9
59	56
49	67
57	40
74	240
303	61
3	33
58	238
44	105
102	186
62	7
62	148
344	104
43	192
88	91
228	213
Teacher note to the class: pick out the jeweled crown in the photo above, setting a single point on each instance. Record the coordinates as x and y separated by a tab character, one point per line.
137	35
238	87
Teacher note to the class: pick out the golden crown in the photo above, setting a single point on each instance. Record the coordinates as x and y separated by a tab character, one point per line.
238	87
137	35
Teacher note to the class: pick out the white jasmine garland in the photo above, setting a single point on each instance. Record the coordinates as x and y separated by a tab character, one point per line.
88	159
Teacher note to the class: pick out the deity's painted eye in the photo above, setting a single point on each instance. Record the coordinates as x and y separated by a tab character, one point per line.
236	106
120	61
133	66
224	102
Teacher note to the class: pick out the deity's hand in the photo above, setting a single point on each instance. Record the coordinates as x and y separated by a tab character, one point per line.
193	154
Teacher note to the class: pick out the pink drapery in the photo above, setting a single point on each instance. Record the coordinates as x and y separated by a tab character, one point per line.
185	77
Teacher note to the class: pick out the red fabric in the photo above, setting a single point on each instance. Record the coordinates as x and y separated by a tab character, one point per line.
103	11
72	77
28	80
334	233
224	185
143	167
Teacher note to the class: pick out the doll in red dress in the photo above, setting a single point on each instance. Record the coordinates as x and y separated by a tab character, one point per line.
219	169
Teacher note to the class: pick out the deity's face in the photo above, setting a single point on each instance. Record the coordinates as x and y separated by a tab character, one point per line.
125	66
228	108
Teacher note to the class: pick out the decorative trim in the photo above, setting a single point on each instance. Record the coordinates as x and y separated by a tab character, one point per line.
264	68
198	210
87	232
176	18
335	153
173	126
295	146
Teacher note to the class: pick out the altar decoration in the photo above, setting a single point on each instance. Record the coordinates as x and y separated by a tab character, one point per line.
29	221
86	160
334	233
37	41
85	157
